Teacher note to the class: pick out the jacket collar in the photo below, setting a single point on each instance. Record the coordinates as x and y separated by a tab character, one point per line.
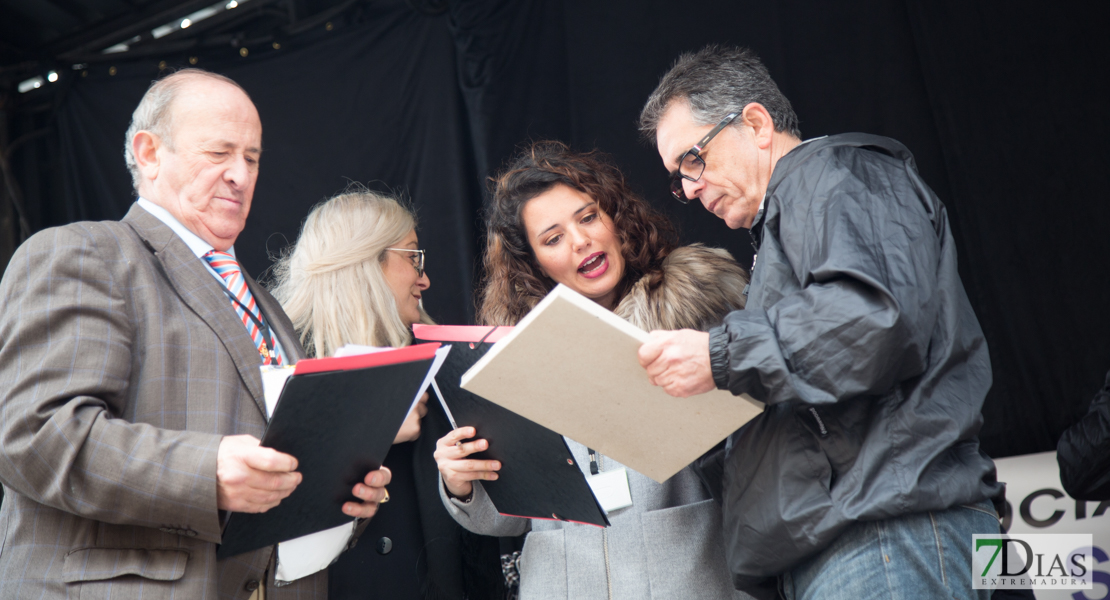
798	156
201	292
800	153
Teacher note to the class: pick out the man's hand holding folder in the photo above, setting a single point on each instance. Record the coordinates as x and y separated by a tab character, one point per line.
678	362
253	479
250	478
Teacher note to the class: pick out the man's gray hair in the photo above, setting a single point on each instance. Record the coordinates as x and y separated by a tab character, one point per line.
716	81
154	115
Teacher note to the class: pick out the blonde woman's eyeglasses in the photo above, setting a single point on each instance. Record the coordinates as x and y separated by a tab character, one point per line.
417	259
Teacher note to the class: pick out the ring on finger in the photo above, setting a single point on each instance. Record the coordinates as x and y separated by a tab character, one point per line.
386	499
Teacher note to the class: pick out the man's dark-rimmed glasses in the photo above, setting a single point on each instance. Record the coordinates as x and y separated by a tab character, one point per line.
691	165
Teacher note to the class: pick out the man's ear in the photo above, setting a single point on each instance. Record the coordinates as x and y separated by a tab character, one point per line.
763	128
145	146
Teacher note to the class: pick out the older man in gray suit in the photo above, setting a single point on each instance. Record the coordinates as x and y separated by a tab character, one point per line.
130	393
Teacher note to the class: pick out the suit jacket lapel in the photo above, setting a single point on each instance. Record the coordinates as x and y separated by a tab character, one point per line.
202	293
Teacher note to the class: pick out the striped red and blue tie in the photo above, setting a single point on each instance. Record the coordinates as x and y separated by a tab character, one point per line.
228	268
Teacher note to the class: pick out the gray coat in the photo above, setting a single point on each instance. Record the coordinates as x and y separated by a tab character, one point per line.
860	338
668	543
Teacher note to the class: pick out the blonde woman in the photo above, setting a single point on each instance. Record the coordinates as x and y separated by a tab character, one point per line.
356	276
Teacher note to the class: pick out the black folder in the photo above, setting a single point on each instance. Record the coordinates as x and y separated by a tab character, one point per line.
539	478
338	417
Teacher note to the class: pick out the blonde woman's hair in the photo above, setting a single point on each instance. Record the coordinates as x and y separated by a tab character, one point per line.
331	283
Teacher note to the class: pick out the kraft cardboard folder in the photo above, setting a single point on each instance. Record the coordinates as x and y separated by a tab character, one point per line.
539	478
572	366
338	417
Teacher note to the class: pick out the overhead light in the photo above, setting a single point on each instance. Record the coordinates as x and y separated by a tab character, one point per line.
165	30
33	83
123	46
179	24
52	76
192	19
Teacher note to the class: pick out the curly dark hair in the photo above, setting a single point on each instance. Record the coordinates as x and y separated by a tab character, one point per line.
513	281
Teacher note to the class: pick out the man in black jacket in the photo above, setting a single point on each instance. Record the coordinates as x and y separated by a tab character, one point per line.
864	476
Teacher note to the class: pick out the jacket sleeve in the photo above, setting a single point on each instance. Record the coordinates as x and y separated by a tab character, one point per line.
480	515
1084	451
66	353
854	307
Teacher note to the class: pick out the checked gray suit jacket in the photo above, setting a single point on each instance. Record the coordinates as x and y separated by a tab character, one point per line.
122	364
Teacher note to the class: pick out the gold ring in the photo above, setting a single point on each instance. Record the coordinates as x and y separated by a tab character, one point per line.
386	499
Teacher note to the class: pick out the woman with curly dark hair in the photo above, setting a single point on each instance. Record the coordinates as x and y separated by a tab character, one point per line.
514	280
563	217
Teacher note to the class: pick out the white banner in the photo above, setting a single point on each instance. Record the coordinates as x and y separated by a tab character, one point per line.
1037	503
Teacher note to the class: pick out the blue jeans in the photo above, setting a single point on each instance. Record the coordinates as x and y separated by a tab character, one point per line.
913	557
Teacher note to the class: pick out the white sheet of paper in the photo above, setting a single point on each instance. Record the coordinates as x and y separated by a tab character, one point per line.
430	378
443	403
273	381
358	350
611	489
572	366
311	553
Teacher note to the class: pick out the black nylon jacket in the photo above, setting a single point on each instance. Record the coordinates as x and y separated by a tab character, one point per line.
1084	451
861	340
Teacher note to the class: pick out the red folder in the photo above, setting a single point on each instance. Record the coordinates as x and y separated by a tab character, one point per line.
363	361
338	417
489	334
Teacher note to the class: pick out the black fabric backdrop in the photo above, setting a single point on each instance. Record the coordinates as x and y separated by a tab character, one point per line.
1002	106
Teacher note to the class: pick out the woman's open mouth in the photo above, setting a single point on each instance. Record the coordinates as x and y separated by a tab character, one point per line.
594	266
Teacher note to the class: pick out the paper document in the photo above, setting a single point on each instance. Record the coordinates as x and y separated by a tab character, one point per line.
273	381
443	403
572	366
312	553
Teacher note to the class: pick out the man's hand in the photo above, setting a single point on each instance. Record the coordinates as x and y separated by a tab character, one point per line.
410	429
678	361
372	493
458	471
250	478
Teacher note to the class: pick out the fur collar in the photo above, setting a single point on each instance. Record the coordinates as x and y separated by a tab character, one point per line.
694	289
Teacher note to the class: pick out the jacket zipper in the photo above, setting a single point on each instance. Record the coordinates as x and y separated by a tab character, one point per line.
605	547
820	423
595	463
